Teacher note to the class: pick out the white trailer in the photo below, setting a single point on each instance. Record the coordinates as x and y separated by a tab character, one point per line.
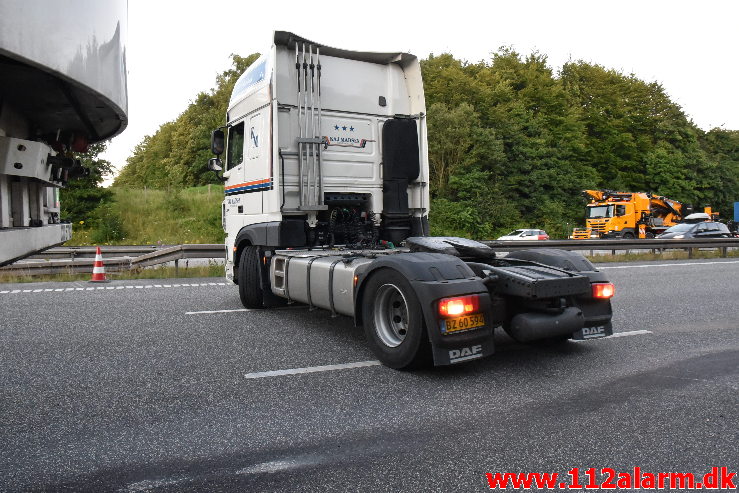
327	201
62	87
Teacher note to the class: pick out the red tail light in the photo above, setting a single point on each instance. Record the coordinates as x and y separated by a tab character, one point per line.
603	290
543	237
461	305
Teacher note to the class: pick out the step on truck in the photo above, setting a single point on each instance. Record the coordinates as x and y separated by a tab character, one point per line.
327	201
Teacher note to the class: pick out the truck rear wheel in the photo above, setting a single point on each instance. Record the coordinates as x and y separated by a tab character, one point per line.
393	321
250	283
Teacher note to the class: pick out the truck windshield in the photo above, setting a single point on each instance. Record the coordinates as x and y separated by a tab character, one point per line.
597	211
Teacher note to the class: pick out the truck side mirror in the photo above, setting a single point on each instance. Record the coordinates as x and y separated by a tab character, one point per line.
217	142
215	164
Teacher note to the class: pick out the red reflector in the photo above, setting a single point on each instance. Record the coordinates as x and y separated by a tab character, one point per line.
461	305
603	290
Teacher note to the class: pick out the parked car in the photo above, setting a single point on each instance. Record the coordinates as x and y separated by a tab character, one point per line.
707	229
526	234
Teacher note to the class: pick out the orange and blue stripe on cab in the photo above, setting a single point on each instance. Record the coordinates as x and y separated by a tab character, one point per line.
250	186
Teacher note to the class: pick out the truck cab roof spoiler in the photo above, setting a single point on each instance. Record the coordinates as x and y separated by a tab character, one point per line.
284	38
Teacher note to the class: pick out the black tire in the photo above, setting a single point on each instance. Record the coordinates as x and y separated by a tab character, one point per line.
628	236
250	283
393	322
649	235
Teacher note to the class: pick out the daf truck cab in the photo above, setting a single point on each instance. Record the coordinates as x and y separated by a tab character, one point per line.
324	160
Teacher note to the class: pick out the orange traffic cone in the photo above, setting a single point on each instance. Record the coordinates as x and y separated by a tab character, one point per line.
98	270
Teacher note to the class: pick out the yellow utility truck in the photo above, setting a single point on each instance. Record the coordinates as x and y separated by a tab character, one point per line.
628	215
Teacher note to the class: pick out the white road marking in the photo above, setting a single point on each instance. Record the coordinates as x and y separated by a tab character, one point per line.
632	333
129	286
206	312
664	265
311	369
621	334
223	311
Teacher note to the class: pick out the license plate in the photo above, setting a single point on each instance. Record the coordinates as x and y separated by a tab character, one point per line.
462	323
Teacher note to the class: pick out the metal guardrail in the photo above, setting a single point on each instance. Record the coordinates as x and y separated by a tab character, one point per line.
77	252
119	258
116	258
655	244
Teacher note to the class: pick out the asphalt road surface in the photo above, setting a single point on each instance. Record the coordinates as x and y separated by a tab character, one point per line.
141	385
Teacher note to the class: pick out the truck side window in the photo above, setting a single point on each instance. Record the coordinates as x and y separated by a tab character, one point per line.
620	210
235	145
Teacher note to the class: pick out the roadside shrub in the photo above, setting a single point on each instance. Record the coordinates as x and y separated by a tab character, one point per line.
107	225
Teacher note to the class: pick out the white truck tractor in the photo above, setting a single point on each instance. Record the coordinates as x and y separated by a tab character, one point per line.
326	184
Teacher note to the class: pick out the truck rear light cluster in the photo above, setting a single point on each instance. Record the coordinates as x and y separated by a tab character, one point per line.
460	305
603	290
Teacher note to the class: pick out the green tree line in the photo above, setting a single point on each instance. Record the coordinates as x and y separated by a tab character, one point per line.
511	143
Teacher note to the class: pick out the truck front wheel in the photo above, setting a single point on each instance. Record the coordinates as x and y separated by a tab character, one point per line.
250	284
393	321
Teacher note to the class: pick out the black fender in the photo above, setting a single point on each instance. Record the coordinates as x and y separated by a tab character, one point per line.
561	259
282	234
434	276
271	235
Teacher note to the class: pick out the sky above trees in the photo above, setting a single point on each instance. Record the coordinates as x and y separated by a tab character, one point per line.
176	48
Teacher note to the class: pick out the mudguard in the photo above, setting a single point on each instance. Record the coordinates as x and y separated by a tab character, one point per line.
434	276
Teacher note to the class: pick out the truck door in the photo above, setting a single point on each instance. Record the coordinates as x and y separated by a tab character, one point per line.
249	161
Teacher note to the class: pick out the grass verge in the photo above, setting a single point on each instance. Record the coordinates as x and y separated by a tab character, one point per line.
148	217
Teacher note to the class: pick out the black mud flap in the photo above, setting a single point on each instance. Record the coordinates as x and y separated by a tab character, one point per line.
587	333
450	356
